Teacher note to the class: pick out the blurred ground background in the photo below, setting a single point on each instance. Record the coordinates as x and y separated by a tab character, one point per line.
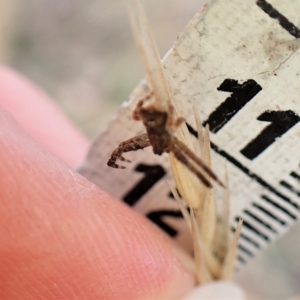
82	53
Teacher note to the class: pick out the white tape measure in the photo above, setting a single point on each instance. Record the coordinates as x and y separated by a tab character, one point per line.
239	60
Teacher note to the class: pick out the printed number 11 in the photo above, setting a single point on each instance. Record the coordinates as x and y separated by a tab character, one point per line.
241	94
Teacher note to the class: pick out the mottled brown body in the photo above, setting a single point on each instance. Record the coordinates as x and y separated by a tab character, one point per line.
159	125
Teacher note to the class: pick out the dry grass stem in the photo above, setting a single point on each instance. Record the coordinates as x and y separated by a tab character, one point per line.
182	206
221	240
212	263
202	272
230	259
214	254
214	258
209	214
151	59
189	187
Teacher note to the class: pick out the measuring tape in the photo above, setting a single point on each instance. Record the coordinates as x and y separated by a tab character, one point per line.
239	62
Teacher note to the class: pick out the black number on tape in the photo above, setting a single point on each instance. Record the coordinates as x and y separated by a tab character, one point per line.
157	218
241	94
153	173
282	20
281	122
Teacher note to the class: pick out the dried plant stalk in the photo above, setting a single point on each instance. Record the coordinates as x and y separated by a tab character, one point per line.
203	274
198	196
209	213
214	255
221	240
182	206
212	263
151	59
230	259
187	187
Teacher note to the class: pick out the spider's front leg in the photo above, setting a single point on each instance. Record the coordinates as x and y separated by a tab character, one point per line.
173	122
133	144
136	113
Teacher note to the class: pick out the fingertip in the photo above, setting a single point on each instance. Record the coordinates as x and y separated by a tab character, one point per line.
37	114
63	238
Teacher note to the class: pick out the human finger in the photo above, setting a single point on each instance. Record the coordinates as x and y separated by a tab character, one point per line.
63	238
40	117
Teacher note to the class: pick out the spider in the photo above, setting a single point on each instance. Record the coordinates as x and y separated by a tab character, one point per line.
160	126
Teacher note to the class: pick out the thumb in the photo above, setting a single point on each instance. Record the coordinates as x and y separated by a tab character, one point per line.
63	238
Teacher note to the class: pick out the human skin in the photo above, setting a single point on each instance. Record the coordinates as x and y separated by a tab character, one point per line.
61	237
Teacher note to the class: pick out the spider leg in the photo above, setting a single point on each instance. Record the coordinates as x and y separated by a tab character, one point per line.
179	154
196	159
178	122
133	144
174	124
136	112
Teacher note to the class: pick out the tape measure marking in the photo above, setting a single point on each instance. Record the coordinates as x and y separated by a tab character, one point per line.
247	127
241	94
275	14
253	215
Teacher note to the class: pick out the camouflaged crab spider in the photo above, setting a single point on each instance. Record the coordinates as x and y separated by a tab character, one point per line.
159	115
160	126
